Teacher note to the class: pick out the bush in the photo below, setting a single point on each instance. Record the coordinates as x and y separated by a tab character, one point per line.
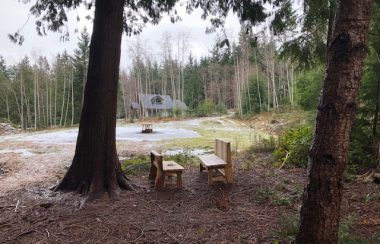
261	144
308	88
205	108
293	146
177	112
221	108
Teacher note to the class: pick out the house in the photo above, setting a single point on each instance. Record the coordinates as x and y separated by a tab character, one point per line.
155	104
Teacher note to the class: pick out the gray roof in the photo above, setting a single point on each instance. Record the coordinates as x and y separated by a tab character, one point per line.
135	105
147	101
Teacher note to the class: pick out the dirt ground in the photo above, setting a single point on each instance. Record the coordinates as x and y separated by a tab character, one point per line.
261	206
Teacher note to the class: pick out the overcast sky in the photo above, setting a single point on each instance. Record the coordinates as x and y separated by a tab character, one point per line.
14	14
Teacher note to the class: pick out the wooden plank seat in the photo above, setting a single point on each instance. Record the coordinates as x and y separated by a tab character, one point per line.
159	169
218	165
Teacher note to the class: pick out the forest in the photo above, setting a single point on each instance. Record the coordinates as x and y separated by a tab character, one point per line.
248	77
296	93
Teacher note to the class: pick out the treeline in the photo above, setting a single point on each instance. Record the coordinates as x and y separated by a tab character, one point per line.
247	76
37	94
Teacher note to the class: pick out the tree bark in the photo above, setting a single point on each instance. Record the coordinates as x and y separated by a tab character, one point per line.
328	155
95	168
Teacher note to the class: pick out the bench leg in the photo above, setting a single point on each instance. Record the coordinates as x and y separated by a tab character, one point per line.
160	180
201	168
179	180
228	172
210	176
152	172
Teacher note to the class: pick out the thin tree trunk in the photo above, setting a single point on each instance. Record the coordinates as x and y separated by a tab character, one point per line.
72	95
35	98
63	97
50	102
67	98
257	79
47	100
328	155
22	102
268	74
27	106
55	100
38	101
17	103
7	103
124	98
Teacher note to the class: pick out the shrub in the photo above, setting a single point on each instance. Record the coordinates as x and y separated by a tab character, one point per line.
262	144
221	108
205	108
177	112
293	146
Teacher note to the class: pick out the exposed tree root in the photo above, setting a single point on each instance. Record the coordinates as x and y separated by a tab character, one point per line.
370	176
90	189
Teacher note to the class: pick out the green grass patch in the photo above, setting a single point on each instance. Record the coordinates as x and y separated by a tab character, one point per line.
241	138
184	159
136	166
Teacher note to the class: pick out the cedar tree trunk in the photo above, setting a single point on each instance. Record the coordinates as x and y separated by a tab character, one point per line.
328	155
95	168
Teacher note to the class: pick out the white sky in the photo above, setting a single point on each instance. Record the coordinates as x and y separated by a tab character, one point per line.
13	15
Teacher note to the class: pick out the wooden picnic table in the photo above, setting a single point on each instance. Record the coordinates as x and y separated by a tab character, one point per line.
147	127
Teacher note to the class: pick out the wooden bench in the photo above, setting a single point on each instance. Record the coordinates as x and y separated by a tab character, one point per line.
159	168
218	165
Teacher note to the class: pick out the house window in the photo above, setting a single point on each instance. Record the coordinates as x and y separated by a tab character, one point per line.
157	100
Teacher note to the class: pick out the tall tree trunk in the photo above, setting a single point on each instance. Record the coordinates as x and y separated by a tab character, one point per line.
257	78
67	98
63	96
22	103
72	95
328	155
7	103
38	101
35	98
55	100
47	100
124	98
96	168
50	102
17	104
